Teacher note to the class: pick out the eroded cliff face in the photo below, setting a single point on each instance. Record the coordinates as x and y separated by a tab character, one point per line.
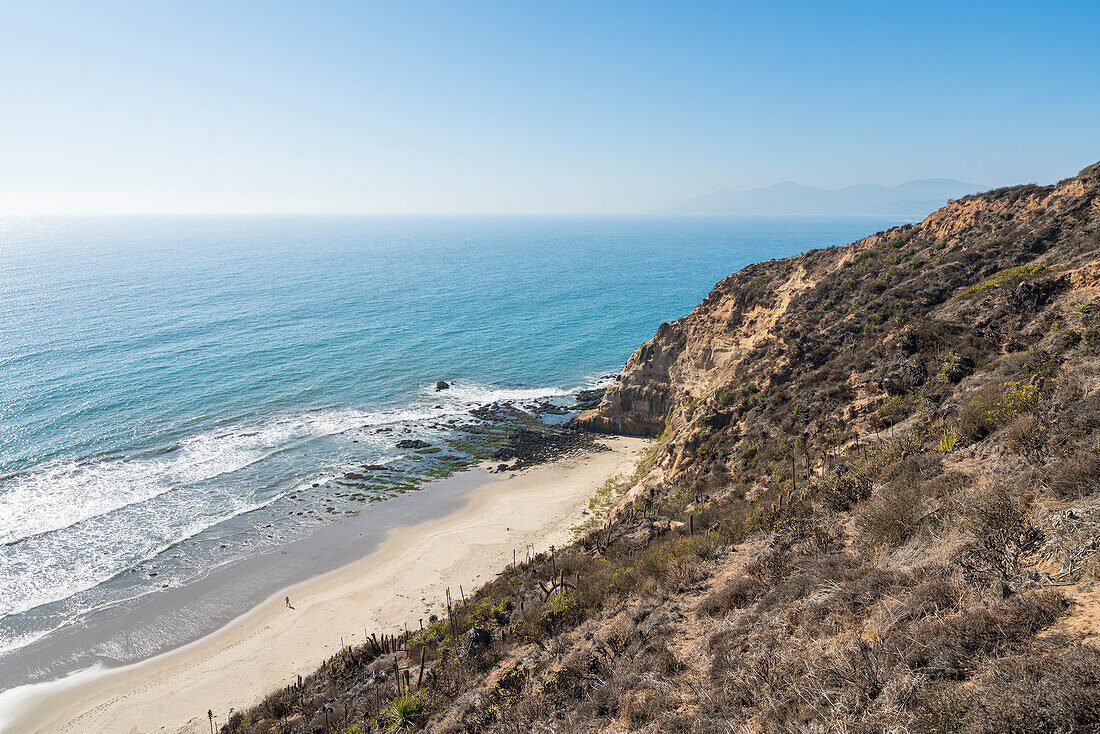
637	406
688	358
773	324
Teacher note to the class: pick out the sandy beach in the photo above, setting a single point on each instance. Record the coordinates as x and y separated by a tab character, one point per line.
404	579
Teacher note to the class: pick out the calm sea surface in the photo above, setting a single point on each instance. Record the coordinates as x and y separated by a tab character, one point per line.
172	389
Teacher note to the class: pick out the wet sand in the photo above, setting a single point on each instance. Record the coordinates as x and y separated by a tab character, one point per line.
401	577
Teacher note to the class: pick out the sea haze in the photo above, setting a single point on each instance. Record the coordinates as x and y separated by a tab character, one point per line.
171	390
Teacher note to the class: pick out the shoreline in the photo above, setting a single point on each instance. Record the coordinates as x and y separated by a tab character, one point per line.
403	578
188	590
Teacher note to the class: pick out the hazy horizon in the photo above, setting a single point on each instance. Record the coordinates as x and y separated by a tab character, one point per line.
501	109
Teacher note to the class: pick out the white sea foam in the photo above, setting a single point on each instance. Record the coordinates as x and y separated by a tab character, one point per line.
54	566
67	528
60	496
484	394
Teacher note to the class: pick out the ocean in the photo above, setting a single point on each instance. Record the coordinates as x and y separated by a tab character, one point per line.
177	394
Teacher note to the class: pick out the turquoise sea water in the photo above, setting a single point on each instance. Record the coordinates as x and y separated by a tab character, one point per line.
169	388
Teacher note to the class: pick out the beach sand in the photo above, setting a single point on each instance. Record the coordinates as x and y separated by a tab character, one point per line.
403	580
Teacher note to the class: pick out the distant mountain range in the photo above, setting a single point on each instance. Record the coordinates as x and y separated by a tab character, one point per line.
913	199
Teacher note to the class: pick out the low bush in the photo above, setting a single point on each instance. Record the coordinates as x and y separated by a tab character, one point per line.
407	712
948	440
485	613
1002	532
1009	277
892	515
954	646
941	707
955	366
1025	437
996	405
1051	688
1076	476
841	491
734	593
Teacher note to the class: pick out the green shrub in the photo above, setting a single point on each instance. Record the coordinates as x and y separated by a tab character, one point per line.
407	712
841	491
563	611
1010	276
434	632
486	612
955	366
513	680
997	405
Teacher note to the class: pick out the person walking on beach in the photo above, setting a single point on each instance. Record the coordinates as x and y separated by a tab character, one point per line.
288	603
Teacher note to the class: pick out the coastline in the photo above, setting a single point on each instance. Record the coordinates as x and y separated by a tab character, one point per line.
401	580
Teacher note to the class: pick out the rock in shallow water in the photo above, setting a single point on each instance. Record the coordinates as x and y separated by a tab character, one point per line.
588	399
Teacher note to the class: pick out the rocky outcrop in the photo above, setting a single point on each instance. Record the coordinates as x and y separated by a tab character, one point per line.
473	642
588	399
638	405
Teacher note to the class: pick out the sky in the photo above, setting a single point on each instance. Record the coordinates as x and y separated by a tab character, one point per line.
528	107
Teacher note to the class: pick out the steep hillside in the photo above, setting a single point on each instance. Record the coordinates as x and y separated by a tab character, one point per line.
873	504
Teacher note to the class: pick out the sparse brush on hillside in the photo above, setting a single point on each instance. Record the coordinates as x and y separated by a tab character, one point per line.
875	506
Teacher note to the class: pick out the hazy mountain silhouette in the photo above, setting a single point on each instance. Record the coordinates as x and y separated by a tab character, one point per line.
913	199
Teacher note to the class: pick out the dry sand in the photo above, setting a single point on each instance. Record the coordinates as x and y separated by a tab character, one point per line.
404	580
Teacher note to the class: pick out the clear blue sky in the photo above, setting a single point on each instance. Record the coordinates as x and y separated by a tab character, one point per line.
591	106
